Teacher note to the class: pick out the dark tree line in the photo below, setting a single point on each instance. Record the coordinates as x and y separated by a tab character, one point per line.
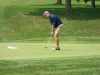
69	7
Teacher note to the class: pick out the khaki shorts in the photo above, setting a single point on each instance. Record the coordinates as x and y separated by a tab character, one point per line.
59	29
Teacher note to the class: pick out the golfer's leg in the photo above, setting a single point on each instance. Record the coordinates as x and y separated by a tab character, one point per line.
56	40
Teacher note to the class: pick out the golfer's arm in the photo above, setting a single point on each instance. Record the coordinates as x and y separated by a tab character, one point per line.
53	27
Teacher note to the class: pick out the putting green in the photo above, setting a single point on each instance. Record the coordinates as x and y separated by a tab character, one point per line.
38	50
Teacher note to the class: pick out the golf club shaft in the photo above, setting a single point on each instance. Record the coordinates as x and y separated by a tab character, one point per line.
48	41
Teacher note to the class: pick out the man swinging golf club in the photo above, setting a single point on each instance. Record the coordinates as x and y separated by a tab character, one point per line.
56	24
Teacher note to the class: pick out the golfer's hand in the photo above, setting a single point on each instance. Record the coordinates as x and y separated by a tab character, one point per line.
52	32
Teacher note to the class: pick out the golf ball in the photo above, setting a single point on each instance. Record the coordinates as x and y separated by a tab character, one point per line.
46	47
38	51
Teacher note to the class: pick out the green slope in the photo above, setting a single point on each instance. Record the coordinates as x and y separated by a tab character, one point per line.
22	20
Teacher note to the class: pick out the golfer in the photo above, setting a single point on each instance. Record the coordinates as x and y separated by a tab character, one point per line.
56	27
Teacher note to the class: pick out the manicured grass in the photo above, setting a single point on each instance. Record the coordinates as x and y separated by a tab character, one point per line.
22	20
35	59
38	50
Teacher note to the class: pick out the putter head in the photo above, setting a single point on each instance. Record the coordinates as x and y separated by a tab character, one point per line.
46	47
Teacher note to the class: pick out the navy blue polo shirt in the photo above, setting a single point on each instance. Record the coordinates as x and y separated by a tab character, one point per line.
55	20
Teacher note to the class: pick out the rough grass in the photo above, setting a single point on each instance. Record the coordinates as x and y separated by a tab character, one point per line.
56	66
22	20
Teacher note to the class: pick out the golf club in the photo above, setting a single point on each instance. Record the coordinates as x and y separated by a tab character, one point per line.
48	42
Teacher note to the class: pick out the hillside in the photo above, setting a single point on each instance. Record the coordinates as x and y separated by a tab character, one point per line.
23	21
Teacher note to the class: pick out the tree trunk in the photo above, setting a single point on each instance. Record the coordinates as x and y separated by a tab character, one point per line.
59	1
93	4
68	5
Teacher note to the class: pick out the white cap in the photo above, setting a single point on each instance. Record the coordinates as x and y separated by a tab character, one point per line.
46	12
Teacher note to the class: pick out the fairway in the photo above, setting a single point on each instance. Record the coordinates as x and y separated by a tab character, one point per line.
24	33
38	50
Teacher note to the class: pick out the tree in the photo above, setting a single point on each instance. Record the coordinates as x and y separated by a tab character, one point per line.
68	5
59	1
84	1
93	4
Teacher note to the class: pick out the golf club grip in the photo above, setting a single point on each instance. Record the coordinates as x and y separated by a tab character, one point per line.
51	34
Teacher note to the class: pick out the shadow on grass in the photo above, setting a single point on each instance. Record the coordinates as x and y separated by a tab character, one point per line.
78	14
82	13
66	50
